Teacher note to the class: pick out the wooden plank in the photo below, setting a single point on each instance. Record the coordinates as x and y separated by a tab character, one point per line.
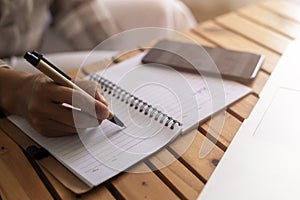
227	39
286	9
99	192
60	190
18	180
61	173
240	110
255	32
126	55
201	167
271	20
176	175
230	128
259	82
97	66
243	107
76	74
142	185
198	39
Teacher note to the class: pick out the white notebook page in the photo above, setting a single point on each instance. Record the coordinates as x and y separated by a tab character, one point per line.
192	91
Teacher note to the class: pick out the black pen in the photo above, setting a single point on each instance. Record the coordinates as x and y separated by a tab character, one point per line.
59	77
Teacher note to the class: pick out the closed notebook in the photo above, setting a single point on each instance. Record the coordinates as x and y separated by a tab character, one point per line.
155	104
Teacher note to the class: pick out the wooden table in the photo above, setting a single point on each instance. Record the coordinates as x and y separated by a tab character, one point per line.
265	28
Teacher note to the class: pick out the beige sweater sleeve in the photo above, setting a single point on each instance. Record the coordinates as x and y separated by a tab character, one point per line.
83	23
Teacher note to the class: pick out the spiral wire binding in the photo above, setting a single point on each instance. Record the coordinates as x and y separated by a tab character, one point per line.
133	101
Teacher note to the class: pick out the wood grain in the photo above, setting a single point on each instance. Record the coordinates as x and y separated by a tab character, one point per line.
243	107
271	20
142	185
126	55
62	192
98	193
255	32
175	175
286	9
230	128
201	167
18	180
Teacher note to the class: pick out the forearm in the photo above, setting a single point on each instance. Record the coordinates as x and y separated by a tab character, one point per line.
11	94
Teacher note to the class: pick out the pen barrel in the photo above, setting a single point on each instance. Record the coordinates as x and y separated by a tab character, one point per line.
56	76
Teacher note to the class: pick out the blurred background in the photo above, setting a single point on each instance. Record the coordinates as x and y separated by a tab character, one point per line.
129	14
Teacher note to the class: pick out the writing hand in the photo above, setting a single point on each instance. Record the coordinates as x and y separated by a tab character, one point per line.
44	110
39	100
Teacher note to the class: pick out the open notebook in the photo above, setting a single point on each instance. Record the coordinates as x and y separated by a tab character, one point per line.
155	104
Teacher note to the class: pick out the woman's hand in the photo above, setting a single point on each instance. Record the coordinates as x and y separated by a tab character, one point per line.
40	101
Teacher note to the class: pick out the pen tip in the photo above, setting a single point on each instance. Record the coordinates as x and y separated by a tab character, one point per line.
117	121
